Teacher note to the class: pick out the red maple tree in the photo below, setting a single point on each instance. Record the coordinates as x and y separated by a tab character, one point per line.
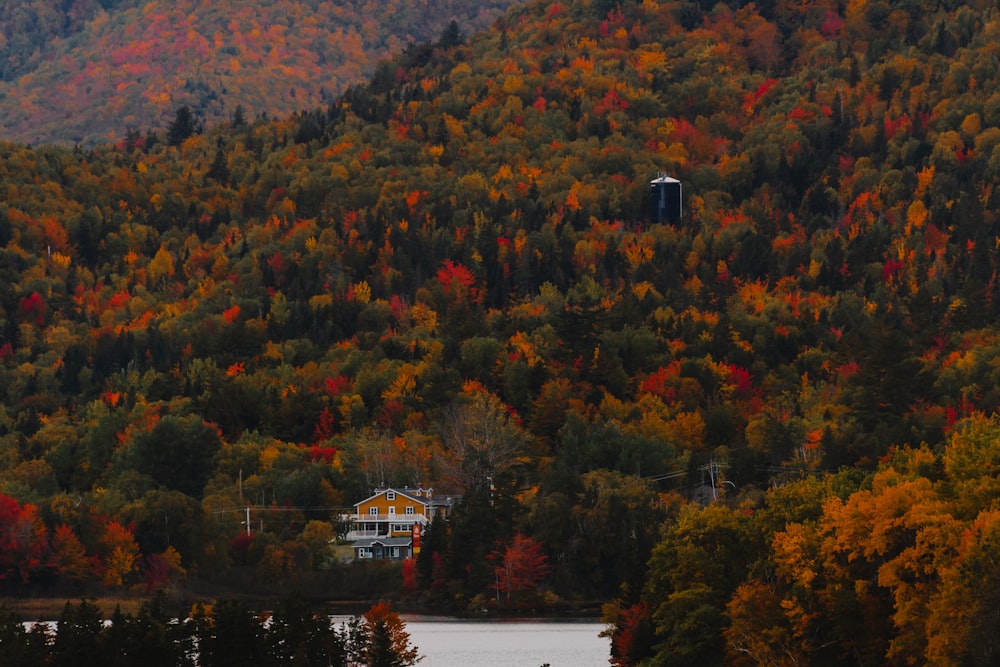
521	566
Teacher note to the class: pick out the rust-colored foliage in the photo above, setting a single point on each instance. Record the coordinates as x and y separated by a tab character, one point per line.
23	541
458	282
521	566
32	308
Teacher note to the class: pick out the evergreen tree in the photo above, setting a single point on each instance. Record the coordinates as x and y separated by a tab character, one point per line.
297	636
433	547
239	117
219	171
384	641
19	646
77	632
451	36
229	634
182	126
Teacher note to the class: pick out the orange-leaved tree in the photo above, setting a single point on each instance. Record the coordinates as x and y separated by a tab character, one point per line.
23	540
521	566
383	640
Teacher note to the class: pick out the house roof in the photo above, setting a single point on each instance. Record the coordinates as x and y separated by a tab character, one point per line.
381	492
415	495
384	541
444	501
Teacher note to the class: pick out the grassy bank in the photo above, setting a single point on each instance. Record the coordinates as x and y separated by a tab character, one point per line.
49	608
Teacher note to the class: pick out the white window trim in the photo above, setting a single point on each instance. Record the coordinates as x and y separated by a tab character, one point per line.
372	511
390	495
392	510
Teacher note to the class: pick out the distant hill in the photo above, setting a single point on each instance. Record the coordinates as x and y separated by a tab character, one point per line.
85	72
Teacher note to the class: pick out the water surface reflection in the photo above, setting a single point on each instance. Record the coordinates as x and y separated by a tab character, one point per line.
497	643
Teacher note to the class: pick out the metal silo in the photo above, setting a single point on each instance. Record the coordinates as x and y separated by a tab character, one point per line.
666	200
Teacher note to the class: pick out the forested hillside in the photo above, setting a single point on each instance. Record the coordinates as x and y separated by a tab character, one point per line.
768	431
89	71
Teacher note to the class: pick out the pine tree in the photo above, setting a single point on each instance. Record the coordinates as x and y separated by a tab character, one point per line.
183	126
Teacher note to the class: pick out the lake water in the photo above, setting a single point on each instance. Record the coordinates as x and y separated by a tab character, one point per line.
450	642
460	643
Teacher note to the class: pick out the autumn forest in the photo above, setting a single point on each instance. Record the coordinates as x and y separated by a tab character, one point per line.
766	434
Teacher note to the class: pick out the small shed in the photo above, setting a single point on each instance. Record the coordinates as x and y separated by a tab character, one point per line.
379	548
666	200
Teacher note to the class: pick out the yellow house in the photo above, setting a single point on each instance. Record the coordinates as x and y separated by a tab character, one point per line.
385	524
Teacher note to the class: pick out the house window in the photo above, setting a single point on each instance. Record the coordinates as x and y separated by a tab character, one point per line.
410	510
392	510
373	511
365	552
390	495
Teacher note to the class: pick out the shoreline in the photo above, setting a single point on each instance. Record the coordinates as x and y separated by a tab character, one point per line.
50	608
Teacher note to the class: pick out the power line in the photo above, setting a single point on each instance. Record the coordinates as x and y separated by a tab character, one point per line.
247	509
269	508
668	475
810	471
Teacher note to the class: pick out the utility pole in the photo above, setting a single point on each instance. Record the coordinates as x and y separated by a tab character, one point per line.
714	469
